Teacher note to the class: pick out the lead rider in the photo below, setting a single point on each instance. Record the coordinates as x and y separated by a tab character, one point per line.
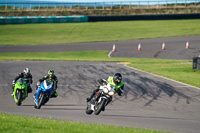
115	80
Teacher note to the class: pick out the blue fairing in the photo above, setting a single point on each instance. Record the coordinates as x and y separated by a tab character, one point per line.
45	89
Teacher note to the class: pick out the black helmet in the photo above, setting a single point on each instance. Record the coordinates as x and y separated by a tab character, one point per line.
117	78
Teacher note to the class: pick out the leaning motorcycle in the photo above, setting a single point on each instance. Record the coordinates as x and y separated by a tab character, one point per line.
43	93
100	100
20	91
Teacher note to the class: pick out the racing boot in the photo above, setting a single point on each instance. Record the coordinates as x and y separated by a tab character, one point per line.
54	94
29	89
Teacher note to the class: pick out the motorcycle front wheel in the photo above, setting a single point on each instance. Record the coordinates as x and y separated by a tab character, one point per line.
88	111
19	97
99	107
40	100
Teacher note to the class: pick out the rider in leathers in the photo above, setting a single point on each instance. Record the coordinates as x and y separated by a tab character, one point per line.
115	80
51	75
27	76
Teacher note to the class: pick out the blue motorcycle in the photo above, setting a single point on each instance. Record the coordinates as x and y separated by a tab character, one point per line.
43	93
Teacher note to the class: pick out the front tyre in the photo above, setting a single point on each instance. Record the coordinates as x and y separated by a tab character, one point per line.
19	97
40	100
99	107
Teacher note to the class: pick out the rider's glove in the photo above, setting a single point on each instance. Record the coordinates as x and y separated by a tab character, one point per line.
119	92
38	83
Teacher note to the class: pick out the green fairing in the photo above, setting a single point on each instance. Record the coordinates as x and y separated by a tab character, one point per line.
20	85
111	82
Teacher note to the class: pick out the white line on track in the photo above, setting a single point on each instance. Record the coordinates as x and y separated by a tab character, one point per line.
183	86
110	53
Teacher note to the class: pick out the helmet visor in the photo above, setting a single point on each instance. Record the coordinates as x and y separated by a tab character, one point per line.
51	75
26	73
118	80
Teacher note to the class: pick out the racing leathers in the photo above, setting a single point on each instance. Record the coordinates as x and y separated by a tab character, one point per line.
27	77
118	88
54	79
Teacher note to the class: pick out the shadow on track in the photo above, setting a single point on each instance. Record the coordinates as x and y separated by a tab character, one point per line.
150	90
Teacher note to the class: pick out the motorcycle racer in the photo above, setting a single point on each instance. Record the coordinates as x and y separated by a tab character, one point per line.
115	80
27	76
51	75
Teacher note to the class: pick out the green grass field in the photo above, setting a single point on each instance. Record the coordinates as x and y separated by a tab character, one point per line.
22	124
91	32
36	34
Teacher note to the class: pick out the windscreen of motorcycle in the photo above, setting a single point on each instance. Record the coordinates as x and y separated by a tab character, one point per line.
21	81
48	84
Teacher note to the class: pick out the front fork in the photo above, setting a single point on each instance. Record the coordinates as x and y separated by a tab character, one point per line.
95	97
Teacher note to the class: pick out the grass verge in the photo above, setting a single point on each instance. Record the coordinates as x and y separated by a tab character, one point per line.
36	34
179	70
22	124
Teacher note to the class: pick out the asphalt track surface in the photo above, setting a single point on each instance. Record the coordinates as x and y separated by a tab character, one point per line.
175	48
149	101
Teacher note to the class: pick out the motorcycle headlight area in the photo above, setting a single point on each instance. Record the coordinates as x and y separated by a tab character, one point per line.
105	90
47	86
111	93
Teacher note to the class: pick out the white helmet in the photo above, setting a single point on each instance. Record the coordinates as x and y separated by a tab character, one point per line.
26	70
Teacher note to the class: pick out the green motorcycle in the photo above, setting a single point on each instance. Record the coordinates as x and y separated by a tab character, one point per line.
20	91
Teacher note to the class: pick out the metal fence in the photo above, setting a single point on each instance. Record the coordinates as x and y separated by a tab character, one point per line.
124	5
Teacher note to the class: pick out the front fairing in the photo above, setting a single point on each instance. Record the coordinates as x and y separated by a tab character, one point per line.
46	87
21	85
108	89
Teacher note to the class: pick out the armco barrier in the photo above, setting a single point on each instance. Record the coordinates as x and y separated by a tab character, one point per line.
41	19
144	17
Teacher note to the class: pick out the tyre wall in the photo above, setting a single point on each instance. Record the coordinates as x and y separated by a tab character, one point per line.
144	17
